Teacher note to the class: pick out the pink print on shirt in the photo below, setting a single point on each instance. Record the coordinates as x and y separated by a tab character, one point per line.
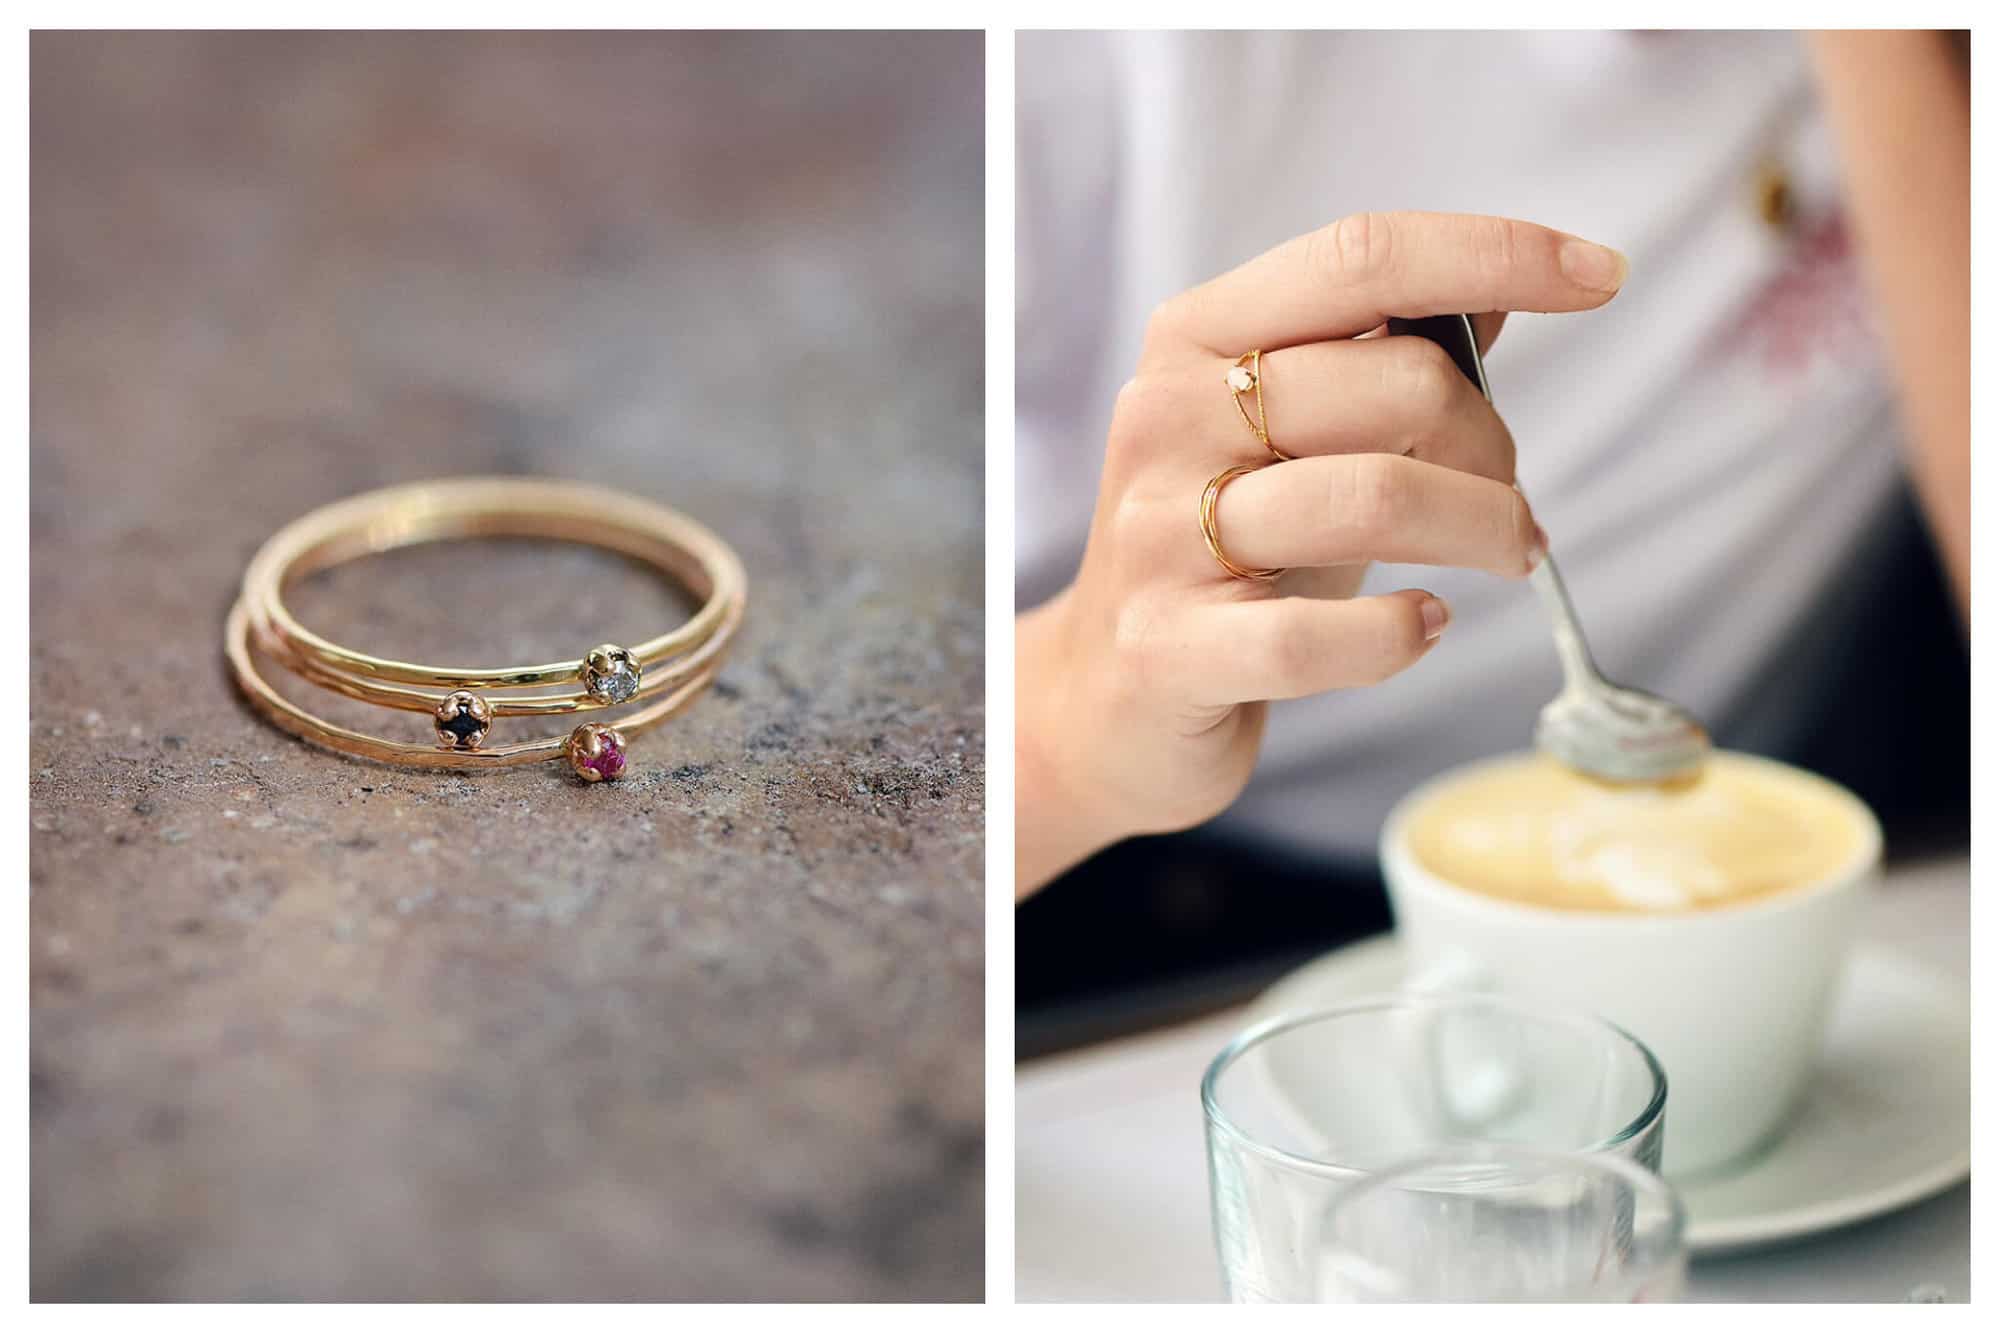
1812	310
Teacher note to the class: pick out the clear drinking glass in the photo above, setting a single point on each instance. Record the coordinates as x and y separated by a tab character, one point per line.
1300	1108
1504	1223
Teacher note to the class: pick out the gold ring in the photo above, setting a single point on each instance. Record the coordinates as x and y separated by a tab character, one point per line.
1213	539
288	716
495	507
1246	375
665	673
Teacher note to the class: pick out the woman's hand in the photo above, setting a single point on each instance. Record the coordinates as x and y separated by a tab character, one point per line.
1140	689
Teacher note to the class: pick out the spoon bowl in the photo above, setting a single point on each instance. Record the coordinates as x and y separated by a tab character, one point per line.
1621	735
1610	732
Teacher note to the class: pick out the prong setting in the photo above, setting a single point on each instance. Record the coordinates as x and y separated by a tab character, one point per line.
596	752
462	720
610	674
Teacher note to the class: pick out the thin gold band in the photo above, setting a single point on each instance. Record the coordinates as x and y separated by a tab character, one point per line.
290	717
410	699
489	507
1251	363
1213	539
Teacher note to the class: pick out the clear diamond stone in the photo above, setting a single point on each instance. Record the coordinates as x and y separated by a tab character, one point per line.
610	674
616	685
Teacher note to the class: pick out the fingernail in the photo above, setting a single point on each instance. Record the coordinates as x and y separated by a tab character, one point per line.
1436	616
1597	267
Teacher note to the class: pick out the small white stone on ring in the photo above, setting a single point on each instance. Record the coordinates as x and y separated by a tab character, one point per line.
610	674
1240	379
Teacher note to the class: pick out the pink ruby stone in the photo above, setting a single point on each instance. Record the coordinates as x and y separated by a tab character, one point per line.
610	760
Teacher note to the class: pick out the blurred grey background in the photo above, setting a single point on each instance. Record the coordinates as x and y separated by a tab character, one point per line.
305	1027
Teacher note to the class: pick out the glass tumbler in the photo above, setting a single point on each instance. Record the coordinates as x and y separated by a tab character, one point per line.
1504	1223
1302	1107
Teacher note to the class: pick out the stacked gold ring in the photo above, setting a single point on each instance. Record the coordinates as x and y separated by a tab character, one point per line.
1244	375
665	674
1213	538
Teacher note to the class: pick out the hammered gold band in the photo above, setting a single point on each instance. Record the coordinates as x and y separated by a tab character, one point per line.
665	673
1213	539
288	716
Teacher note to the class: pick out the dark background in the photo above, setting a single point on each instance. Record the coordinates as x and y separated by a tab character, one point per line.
307	1027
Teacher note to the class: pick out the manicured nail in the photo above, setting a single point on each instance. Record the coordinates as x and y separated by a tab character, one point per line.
1436	616
1597	267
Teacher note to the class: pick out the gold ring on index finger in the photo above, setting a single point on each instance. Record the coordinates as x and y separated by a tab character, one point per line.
1213	539
1246	375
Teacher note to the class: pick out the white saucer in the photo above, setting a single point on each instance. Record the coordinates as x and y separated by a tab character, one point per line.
1886	1120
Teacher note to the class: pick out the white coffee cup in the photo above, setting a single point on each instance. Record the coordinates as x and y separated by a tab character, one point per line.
1732	999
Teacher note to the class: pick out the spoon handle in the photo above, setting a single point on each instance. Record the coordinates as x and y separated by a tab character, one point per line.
1579	670
1454	334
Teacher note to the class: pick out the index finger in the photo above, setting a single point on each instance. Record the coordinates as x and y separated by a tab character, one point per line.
1345	279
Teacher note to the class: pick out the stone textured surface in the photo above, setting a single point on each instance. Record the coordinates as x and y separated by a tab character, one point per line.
305	1027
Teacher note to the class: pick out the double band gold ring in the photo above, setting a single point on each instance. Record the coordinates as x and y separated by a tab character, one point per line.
1246	375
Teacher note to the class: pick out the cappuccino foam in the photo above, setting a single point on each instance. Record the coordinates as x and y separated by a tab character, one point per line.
1536	832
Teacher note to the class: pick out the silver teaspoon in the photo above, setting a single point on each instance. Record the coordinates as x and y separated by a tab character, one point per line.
1608	731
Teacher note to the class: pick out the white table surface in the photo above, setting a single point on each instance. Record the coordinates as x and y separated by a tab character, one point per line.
1111	1191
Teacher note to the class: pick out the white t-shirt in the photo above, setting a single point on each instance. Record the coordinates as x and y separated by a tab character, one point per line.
1703	452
